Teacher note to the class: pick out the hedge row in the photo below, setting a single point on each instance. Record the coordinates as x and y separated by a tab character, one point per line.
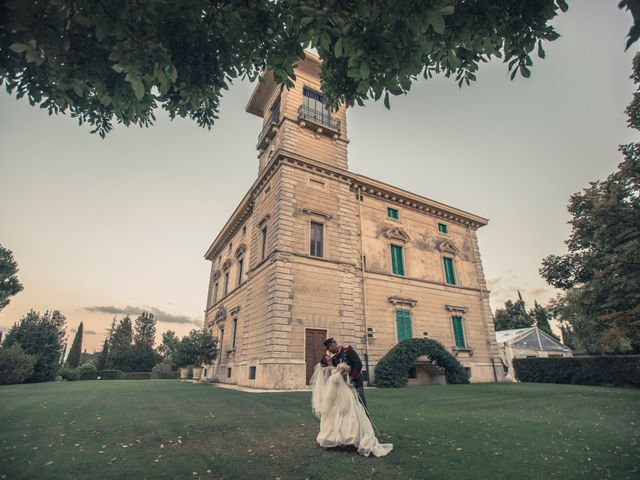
617	371
392	371
71	375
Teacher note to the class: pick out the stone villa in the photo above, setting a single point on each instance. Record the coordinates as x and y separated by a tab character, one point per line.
315	250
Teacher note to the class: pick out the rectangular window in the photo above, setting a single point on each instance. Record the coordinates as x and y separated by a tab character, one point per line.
228	373
226	283
413	372
458	332
449	272
442	228
313	107
233	338
264	242
392	213
397	262
316	239
240	264
403	321
252	373
215	293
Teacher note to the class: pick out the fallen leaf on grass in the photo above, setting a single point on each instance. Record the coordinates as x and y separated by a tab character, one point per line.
110	462
50	462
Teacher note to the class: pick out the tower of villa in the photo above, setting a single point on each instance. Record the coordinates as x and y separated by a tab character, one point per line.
314	250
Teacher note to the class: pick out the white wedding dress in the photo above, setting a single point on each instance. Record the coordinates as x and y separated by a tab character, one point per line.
343	419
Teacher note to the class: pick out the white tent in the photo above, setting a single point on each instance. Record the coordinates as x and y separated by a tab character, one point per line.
528	342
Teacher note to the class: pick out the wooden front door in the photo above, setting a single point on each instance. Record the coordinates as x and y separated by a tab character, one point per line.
313	349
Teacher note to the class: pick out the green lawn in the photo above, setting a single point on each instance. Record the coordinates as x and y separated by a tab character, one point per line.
168	429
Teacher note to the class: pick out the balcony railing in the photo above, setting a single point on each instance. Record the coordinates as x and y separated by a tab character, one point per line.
318	117
274	119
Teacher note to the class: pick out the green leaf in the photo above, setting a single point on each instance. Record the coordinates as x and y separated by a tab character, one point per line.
137	86
19	47
337	49
100	32
364	69
436	21
447	9
524	71
541	53
386	101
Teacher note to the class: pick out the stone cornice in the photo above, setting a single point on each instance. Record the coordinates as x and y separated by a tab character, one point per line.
377	189
243	210
360	183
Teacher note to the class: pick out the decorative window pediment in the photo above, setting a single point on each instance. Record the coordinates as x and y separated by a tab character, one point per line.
403	302
216	275
234	310
226	265
264	220
221	314
456	309
316	213
398	234
448	247
242	248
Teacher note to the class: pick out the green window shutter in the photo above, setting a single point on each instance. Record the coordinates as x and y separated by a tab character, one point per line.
442	228
392	213
397	264
449	273
240	265
458	332
403	321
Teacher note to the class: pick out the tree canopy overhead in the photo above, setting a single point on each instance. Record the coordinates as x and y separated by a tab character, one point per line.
117	61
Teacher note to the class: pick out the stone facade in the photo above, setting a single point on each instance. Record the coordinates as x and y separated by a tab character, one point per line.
307	254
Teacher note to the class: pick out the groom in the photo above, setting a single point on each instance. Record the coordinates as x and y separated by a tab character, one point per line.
349	356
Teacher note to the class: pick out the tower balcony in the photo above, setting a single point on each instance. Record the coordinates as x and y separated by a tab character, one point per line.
319	121
269	130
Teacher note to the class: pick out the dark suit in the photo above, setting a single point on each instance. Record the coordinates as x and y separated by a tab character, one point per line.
349	356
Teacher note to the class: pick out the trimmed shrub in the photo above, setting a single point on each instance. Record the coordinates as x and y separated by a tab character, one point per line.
15	365
163	371
87	374
69	374
136	376
109	374
87	367
617	371
392	371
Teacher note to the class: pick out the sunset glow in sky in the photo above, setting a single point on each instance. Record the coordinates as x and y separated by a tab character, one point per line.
101	228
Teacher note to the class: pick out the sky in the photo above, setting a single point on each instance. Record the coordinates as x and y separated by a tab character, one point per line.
102	228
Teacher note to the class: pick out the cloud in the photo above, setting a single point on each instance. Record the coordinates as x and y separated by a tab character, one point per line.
160	315
85	332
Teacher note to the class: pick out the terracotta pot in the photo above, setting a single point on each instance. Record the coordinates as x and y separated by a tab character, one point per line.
184	373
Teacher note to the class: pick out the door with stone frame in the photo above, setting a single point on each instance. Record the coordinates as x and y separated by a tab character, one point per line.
313	349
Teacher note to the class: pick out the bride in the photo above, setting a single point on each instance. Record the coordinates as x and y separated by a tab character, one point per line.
343	419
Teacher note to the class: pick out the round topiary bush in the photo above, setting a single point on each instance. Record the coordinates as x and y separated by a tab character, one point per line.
392	370
87	367
69	374
15	365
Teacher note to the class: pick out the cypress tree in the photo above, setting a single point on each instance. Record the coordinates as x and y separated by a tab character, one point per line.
104	355
73	360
